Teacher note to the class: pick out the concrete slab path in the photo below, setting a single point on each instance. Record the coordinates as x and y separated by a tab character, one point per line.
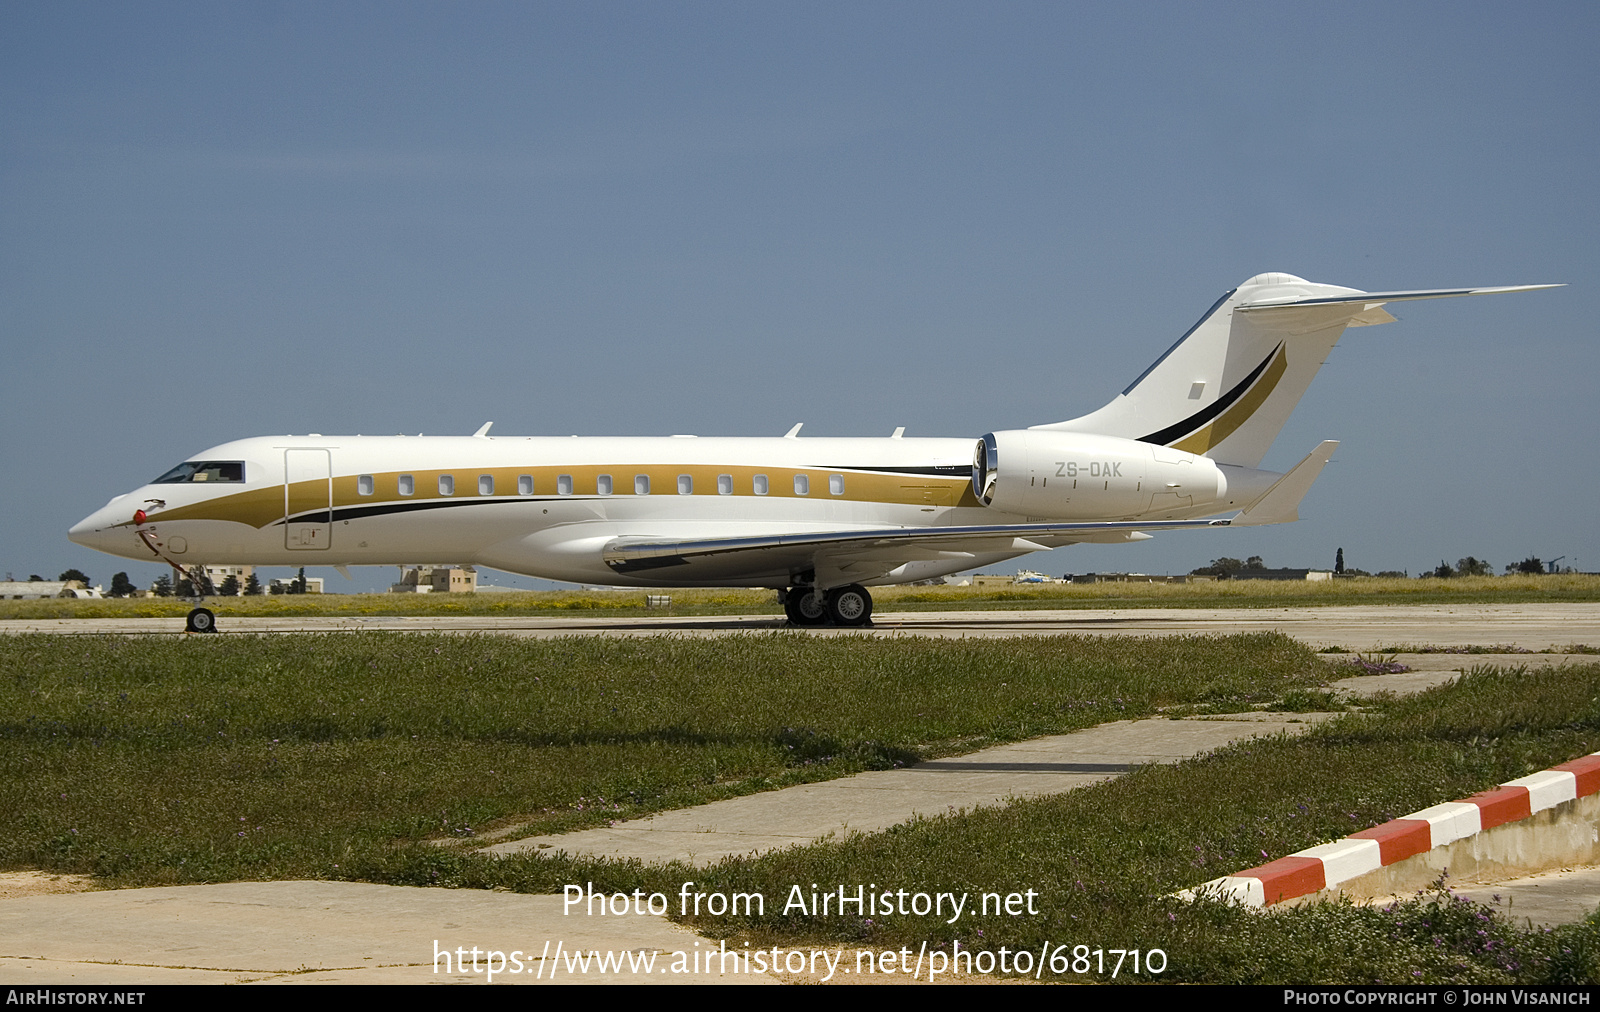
1429	670
1557	897
872	802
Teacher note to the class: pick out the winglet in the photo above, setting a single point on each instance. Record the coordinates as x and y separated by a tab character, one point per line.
1281	504
483	431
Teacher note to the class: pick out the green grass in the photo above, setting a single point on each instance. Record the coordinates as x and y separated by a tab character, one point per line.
1252	593
155	761
1105	860
171	760
691	602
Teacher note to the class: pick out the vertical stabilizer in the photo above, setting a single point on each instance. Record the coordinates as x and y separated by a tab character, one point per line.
1228	386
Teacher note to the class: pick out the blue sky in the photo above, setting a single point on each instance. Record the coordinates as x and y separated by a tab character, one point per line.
223	220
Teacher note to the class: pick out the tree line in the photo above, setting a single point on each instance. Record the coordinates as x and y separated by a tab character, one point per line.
1228	568
164	586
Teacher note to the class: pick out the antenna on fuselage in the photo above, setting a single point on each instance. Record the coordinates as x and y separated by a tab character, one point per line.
483	432
794	433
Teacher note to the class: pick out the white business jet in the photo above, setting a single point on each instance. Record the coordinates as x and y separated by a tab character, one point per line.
819	520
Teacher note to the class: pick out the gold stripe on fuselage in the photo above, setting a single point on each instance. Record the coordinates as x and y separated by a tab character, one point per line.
261	507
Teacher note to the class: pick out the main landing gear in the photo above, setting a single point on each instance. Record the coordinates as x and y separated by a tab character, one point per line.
843	606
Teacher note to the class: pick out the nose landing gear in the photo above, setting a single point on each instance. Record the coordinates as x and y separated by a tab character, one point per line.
201	620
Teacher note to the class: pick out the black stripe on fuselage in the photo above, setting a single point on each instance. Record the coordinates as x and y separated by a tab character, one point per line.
936	470
385	509
1172	433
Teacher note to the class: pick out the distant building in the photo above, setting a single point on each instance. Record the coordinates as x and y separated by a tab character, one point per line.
313	585
39	590
436	580
1133	578
217	574
993	580
1282	574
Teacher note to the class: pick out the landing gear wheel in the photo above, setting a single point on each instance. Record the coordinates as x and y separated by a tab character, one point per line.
804	607
850	605
201	620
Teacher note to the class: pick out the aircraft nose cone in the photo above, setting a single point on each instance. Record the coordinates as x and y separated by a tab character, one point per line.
83	532
99	529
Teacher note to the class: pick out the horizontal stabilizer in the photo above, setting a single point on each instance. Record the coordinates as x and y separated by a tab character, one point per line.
1379	298
1281	504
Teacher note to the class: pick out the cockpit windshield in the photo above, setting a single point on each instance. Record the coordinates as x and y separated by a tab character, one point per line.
203	470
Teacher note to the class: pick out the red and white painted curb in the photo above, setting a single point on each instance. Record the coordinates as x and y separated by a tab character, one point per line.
1325	866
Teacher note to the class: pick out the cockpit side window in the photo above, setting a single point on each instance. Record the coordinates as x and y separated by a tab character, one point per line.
204	470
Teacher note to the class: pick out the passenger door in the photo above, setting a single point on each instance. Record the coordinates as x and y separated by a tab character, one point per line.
307	499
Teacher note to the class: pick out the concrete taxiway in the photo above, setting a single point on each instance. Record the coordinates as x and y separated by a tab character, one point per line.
1354	627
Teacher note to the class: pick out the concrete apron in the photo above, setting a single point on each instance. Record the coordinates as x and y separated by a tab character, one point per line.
334	933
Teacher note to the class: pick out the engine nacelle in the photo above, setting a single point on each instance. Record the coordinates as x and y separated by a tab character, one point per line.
1079	476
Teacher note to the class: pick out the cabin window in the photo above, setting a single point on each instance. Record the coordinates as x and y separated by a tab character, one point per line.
204	470
685	484
760	484
603	484
486	484
524	484
724	484
641	484
408	484
365	485
802	485
836	484
564	484
447	484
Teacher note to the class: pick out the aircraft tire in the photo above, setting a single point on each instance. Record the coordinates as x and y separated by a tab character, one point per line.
804	607
850	605
201	620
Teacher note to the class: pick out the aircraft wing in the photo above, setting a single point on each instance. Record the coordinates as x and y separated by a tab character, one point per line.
869	553
983	538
